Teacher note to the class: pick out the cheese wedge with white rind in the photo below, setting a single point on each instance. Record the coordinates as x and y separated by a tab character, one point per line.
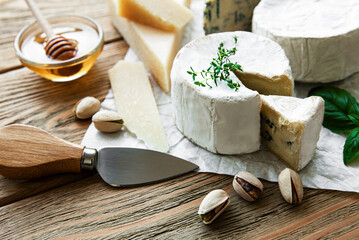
265	66
218	119
136	104
156	48
320	38
228	15
221	119
166	15
291	127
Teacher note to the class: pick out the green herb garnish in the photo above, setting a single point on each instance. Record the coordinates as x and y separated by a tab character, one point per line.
341	115
219	69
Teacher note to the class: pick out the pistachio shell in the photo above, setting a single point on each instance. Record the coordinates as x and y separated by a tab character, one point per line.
214	199
290	186
253	187
86	107
107	121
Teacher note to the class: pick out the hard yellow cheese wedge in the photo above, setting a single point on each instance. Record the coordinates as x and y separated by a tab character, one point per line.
136	104
156	48
167	15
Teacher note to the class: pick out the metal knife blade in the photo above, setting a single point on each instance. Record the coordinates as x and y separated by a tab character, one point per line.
122	167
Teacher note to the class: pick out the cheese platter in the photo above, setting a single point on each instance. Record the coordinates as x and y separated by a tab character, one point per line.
110	128
192	130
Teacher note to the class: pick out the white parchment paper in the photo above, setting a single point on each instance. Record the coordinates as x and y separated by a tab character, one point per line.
325	171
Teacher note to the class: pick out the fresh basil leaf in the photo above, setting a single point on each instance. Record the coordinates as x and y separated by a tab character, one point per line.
339	104
351	146
354	118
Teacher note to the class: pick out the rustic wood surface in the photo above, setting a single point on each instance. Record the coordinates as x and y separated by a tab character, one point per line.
83	206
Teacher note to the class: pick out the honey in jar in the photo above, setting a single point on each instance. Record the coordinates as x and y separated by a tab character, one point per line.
87	37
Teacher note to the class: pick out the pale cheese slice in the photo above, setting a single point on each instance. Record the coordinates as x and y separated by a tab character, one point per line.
156	48
291	127
136	104
167	15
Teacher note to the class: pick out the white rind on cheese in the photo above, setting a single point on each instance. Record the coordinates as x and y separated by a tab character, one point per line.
156	48
136	104
218	119
168	15
320	38
291	127
265	66
228	15
221	121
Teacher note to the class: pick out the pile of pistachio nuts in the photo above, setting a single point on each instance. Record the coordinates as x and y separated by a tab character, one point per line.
249	187
104	121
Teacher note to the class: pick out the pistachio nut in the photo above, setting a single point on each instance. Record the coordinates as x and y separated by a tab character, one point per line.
248	186
213	205
291	186
107	121
86	107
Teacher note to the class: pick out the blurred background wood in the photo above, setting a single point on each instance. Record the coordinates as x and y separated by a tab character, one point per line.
83	206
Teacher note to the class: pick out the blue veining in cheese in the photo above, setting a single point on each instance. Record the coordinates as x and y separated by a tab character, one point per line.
228	15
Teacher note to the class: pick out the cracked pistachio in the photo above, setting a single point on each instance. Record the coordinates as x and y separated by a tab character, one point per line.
213	205
107	121
248	186
86	107
290	186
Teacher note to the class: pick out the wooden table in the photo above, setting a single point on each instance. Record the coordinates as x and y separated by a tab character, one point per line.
83	206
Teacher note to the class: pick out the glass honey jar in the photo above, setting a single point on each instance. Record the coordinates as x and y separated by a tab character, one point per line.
84	31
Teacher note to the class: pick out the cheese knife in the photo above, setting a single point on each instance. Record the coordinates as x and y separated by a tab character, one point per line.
30	152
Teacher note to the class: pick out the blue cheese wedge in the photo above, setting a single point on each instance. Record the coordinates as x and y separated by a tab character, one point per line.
320	38
221	119
228	15
291	127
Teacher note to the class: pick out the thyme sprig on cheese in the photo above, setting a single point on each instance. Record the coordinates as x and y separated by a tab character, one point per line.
219	69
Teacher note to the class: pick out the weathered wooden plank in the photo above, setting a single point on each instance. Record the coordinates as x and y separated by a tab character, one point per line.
317	221
340	228
14	15
14	190
29	99
90	209
353	233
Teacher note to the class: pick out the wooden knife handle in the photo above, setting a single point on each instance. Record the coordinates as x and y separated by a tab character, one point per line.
29	152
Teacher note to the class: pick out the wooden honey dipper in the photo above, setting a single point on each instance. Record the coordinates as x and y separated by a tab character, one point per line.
57	47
